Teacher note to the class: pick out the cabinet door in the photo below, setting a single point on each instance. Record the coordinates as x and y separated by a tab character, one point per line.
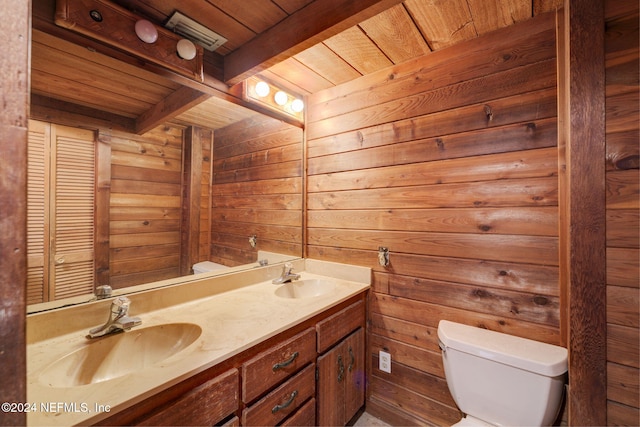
354	373
341	381
331	391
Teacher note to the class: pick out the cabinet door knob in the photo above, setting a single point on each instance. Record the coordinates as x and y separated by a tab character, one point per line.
285	404
60	261
286	363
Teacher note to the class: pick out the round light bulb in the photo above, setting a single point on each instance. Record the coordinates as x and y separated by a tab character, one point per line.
280	97
146	31
297	105
262	89
186	49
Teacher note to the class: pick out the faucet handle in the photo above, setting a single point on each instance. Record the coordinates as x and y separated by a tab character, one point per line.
120	305
103	292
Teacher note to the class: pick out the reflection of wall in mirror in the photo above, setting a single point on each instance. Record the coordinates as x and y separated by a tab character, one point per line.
144	202
257	190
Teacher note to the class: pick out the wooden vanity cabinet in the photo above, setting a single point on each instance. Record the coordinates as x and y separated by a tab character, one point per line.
291	379
341	369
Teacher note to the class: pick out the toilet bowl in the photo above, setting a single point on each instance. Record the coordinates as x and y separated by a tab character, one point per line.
501	380
207	266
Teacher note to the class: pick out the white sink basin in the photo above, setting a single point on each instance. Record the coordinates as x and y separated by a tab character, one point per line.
113	356
306	288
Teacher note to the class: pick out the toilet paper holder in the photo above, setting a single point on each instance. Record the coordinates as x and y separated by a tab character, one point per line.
383	256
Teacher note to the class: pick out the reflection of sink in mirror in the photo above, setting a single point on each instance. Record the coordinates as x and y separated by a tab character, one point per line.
114	356
305	288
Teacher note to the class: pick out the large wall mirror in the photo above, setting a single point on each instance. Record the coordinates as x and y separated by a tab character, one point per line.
217	182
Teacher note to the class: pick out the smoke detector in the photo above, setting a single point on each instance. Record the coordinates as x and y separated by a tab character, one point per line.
197	33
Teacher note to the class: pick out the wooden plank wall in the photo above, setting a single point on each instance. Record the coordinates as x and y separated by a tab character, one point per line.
146	185
623	230
450	161
204	239
14	73
257	190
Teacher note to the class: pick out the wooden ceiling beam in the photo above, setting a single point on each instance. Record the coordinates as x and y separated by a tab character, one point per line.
57	111
173	105
308	26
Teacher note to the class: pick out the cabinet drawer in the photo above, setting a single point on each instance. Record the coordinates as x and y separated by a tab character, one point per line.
233	422
274	365
304	417
282	401
335	327
207	404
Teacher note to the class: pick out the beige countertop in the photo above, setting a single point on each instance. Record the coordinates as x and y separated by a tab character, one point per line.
235	312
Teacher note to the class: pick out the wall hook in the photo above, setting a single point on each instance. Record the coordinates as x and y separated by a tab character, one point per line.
253	241
383	256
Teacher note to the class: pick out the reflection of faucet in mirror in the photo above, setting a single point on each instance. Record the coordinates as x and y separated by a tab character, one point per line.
287	275
118	320
103	292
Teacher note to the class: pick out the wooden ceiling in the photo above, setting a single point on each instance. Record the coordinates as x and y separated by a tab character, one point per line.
304	45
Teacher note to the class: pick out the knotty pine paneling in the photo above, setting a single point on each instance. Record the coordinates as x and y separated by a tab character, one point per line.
257	190
145	206
450	161
623	213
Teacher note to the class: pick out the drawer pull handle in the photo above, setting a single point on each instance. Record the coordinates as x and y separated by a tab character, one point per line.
353	359
285	404
286	363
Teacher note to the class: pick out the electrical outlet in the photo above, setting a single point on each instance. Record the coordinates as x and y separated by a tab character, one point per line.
385	362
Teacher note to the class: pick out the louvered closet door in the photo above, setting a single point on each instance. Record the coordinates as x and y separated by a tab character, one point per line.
61	210
37	212
72	197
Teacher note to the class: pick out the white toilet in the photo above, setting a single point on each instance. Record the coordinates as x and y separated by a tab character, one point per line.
501	380
208	266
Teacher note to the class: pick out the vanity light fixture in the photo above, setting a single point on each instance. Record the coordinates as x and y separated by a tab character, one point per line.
146	31
118	27
186	49
262	89
297	105
259	91
281	98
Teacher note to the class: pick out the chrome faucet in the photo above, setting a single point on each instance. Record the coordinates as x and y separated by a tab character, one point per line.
118	320
287	275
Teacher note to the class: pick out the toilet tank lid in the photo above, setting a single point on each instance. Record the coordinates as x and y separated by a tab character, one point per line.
541	358
209	266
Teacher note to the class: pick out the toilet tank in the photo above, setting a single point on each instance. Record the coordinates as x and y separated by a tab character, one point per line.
502	379
207	266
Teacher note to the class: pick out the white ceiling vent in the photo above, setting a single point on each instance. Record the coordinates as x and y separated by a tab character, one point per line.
194	31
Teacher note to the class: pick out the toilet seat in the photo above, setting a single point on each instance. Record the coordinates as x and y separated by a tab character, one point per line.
469	421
